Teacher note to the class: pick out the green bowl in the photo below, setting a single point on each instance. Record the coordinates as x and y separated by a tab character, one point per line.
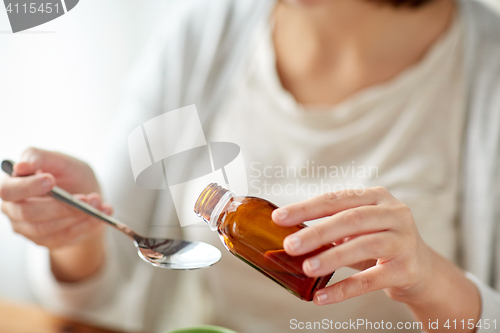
203	329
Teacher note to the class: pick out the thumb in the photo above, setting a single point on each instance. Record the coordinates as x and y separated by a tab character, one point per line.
34	159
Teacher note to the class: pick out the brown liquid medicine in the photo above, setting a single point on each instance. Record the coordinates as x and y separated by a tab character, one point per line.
247	230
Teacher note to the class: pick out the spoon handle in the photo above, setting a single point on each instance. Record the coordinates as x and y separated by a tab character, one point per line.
60	194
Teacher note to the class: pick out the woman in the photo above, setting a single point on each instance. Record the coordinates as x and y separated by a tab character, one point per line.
408	87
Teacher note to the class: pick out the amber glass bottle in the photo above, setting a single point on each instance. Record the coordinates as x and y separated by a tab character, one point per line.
247	230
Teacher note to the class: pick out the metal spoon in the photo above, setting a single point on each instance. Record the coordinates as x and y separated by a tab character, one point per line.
164	253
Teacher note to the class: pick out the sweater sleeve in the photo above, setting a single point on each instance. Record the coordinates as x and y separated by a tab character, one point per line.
77	300
490	306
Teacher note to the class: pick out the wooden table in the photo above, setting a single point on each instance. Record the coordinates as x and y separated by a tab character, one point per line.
23	318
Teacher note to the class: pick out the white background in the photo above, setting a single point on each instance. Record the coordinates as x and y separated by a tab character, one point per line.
59	89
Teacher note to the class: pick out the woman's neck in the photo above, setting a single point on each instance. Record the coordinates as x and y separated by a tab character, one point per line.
347	45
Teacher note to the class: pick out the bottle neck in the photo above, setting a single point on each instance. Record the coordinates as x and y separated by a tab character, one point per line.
211	203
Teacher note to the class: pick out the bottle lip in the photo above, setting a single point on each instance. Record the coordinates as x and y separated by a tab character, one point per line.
214	217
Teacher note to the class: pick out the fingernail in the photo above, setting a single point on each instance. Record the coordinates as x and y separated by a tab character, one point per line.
321	297
282	214
312	264
293	242
94	202
46	183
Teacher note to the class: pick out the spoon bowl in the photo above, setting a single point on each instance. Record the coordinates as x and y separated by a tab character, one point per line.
164	253
177	254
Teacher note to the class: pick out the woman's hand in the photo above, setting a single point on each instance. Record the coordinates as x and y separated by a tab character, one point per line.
371	229
375	232
68	233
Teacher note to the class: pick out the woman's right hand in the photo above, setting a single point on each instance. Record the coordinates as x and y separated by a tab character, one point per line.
49	222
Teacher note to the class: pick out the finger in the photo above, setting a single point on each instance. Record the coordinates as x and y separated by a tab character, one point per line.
53	231
23	169
71	235
327	204
93	199
36	230
348	223
20	188
107	209
34	159
58	217
372	279
37	209
379	245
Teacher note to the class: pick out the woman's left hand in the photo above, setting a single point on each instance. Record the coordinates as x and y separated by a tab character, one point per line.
373	227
